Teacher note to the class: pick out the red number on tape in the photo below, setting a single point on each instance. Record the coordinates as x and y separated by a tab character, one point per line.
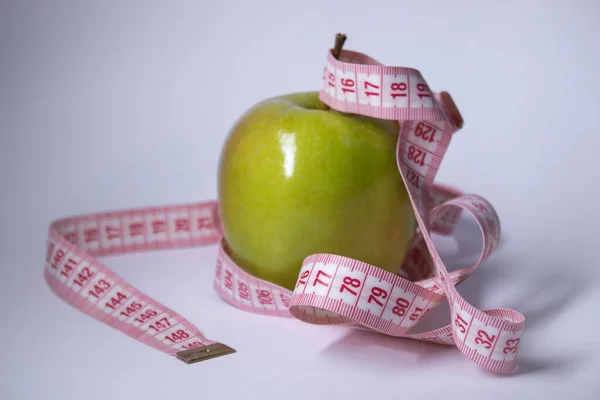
422	88
204	223
511	346
400	307
367	85
192	345
264	296
83	276
68	267
91	235
115	301
414	316
348	85
160	325
319	281
352	282
416	154
399	86
146	316
425	132
303	278
136	229
131	309
284	299
228	279
112	232
484	339
413	178
177	336
461	323
377	293
243	291
182	225
99	288
57	258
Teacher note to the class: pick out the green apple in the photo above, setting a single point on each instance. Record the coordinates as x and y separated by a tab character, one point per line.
296	178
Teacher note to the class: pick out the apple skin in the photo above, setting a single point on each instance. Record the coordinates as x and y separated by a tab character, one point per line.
295	179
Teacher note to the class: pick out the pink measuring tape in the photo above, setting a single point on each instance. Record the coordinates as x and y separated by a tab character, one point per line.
330	289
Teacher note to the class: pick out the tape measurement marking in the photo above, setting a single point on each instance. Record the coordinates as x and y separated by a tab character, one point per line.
331	289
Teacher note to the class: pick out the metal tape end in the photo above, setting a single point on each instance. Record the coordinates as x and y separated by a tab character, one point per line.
204	353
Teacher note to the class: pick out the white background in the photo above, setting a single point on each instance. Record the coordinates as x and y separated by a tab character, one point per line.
110	105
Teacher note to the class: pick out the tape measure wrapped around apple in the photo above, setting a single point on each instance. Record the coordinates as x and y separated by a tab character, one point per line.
326	203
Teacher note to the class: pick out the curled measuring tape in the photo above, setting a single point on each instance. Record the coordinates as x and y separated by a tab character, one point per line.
331	289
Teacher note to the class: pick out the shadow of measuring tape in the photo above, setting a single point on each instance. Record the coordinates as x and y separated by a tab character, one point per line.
546	298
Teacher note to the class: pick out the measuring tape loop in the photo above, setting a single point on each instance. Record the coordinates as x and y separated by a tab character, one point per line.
331	289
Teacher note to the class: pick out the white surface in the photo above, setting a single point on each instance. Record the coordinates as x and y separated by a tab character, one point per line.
127	105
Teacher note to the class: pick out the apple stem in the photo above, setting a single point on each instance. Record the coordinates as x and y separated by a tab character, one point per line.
340	39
